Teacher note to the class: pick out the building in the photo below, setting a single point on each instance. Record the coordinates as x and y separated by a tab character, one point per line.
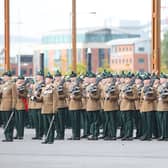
56	48
131	54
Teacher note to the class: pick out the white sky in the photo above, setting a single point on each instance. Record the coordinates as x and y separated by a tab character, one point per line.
38	16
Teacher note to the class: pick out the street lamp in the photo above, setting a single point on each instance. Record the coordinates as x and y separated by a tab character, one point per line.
89	60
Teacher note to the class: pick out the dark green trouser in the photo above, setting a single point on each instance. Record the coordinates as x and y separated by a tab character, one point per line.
127	121
138	123
38	122
46	122
102	119
93	117
75	121
1	121
30	118
110	126
67	118
10	128
85	126
19	123
147	124
60	122
155	125
163	123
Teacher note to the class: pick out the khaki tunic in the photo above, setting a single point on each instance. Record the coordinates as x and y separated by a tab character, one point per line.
147	104
111	103
8	92
127	102
93	101
49	99
162	104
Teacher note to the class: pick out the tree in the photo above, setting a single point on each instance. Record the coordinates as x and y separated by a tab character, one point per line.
164	53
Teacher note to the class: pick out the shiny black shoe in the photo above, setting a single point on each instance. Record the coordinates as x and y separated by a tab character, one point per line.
20	138
71	138
76	138
101	137
84	136
129	138
160	139
124	138
93	138
44	142
50	142
107	138
35	138
16	137
7	140
113	138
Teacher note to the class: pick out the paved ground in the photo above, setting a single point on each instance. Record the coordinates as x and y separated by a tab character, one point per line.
82	154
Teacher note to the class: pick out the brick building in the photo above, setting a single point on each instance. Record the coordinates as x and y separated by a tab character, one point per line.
130	54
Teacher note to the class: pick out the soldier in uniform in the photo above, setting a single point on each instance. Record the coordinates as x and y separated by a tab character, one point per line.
128	95
60	87
8	99
111	95
75	106
21	106
36	106
48	98
147	107
84	116
93	107
137	114
162	108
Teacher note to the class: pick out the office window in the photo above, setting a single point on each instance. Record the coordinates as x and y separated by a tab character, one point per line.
141	49
79	55
141	60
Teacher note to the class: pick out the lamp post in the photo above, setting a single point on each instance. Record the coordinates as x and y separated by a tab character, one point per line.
89	60
7	33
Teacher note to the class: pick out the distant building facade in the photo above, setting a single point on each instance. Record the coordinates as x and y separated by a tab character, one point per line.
130	55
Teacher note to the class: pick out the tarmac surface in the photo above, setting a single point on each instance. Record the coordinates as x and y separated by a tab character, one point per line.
29	153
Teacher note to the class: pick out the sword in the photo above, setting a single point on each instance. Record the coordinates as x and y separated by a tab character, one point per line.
9	120
51	123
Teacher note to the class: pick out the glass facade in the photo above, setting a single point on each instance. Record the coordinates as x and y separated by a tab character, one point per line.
101	57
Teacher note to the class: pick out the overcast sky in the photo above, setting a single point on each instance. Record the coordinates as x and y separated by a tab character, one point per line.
33	17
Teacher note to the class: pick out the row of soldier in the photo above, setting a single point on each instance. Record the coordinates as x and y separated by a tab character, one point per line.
107	102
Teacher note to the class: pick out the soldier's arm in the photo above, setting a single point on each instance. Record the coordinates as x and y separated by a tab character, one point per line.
55	98
13	96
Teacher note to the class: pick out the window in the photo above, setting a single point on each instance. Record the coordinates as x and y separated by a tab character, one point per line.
101	57
141	61
119	61
57	55
123	61
109	52
30	72
116	61
141	49
26	58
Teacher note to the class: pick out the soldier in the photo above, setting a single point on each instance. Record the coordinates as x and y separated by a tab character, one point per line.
128	95
162	108
48	98
93	107
147	107
111	95
60	87
75	106
21	106
84	116
8	95
36	106
137	114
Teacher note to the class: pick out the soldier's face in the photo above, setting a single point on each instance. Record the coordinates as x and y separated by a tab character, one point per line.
146	82
48	81
39	78
138	81
92	80
57	78
73	79
6	78
127	80
20	81
163	80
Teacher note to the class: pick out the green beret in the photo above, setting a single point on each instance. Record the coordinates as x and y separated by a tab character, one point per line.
21	77
40	73
91	75
73	74
49	75
7	73
58	73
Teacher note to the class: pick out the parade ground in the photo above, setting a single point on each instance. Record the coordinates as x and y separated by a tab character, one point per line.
29	153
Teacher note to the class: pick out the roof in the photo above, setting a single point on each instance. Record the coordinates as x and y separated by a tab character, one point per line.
126	41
